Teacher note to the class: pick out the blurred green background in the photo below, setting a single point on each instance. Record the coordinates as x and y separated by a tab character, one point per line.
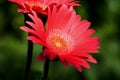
105	18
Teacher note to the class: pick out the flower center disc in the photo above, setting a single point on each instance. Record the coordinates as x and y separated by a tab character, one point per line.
60	42
42	7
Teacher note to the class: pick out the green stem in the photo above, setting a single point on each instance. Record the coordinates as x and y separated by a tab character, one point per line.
29	59
46	64
29	51
45	70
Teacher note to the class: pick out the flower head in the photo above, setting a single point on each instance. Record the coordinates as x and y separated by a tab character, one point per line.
40	5
65	37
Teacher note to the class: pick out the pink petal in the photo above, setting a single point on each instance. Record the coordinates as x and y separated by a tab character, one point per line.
41	57
50	54
91	59
63	60
36	40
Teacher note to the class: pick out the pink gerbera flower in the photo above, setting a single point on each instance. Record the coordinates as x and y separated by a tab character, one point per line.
65	37
40	5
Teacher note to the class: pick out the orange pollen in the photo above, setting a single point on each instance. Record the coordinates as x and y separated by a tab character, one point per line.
59	43
32	5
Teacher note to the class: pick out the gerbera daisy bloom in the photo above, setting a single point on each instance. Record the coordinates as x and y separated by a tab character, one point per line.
64	36
40	5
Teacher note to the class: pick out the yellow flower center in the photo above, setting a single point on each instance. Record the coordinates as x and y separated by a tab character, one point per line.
43	7
59	42
31	5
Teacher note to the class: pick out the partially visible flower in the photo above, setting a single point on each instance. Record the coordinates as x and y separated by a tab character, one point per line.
65	37
40	5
